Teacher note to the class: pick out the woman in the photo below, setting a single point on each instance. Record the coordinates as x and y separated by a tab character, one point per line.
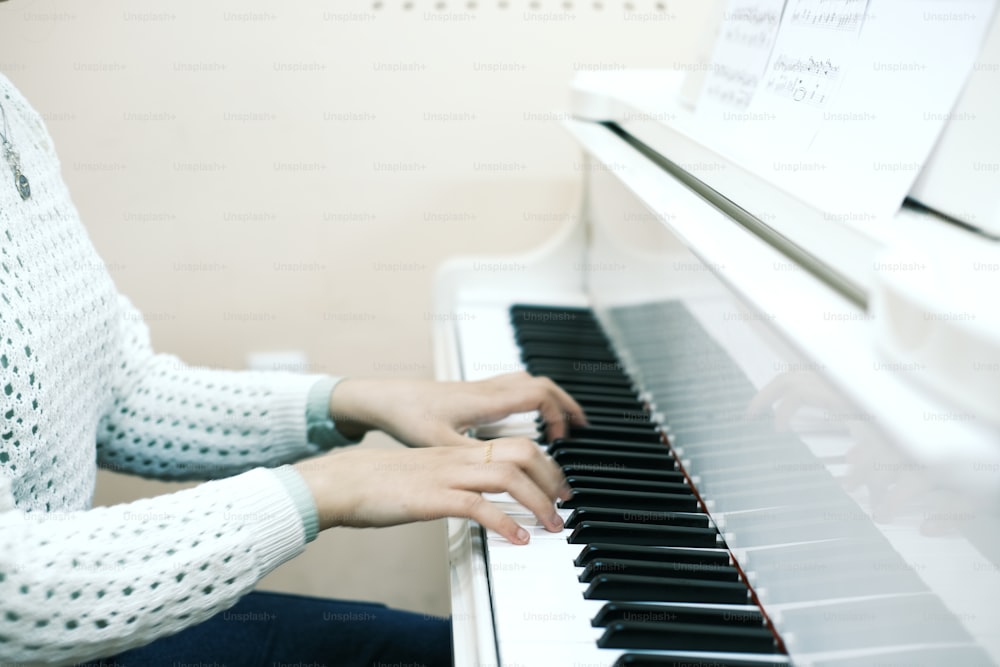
81	387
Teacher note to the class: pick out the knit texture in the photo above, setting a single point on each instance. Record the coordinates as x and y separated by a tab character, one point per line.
80	385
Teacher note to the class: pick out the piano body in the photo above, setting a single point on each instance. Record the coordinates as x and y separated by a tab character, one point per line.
794	452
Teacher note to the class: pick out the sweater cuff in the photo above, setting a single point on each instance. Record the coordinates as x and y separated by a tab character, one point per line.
278	537
320	427
302	497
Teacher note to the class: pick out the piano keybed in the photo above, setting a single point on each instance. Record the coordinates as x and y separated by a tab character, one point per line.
671	593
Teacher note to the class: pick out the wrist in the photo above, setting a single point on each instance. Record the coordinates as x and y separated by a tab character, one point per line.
347	409
317	480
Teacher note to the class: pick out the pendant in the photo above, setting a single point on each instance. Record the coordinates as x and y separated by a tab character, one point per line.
21	182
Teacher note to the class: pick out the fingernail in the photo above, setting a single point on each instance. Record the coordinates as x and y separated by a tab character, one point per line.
556	521
522	535
565	491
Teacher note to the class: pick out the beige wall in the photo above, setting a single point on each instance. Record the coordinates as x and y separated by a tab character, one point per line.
265	176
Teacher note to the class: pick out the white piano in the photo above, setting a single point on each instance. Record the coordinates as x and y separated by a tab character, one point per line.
794	452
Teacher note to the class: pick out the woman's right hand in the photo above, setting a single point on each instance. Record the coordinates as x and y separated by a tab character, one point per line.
387	487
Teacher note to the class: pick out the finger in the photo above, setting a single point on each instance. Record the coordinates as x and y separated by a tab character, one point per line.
498	477
524	392
488	515
559	410
542	470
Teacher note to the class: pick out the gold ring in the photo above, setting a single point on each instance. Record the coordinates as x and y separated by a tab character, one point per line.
489	452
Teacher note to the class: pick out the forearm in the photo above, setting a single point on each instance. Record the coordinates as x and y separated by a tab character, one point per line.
176	422
88	584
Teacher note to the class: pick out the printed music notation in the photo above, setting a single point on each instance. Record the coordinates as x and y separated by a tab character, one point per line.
815	40
741	53
747	38
753	15
833	20
730	97
846	15
808	80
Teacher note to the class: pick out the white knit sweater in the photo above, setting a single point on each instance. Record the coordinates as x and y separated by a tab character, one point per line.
80	387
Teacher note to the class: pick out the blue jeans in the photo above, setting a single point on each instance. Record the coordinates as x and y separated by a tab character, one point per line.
281	630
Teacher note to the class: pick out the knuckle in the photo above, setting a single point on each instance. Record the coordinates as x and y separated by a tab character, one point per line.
523	450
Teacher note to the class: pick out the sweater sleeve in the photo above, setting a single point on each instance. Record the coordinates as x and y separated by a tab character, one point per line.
82	585
172	421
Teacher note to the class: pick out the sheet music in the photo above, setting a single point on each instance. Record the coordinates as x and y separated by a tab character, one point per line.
741	54
851	101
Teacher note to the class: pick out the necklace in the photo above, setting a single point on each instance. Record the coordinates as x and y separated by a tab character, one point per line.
13	159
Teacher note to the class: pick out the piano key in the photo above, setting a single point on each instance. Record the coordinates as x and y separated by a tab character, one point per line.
687	636
599	400
587	532
576	371
573	388
561	377
673	502
618	484
571	456
544	313
665	589
623	472
598	419
574	353
661	613
653	660
626	516
654	448
615	433
656	569
528	335
593	551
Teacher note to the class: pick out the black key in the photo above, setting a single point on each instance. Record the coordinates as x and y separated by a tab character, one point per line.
588	532
626	516
595	419
657	613
565	456
618	484
669	502
654	448
531	312
573	388
616	415
655	554
644	568
597	400
598	382
526	336
619	433
575	367
653	660
617	470
687	637
665	589
582	357
574	371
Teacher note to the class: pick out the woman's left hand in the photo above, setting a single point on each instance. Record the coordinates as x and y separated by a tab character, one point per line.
424	413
